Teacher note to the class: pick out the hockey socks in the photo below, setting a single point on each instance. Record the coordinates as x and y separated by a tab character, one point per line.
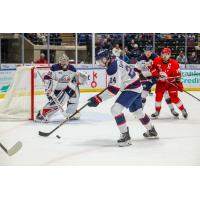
146	122
121	123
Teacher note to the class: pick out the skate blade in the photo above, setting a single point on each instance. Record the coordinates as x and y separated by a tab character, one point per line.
152	137
176	117
153	118
40	121
123	144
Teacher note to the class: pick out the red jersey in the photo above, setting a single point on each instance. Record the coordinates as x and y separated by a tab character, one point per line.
171	68
42	61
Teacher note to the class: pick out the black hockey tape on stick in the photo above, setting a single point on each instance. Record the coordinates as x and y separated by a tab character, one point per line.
185	91
46	134
14	149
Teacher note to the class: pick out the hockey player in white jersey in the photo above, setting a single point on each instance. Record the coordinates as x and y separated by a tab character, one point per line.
61	87
124	79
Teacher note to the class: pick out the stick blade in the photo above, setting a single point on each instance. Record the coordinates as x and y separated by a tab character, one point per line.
43	134
15	148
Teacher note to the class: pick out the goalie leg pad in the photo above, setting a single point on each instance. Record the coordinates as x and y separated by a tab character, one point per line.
73	104
69	91
51	108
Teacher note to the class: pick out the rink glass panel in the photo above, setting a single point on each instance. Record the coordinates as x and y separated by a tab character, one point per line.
62	43
175	41
11	47
84	48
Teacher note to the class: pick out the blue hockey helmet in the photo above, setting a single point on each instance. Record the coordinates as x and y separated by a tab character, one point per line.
102	53
148	48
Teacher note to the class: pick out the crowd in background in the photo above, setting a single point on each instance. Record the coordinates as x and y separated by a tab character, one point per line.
41	38
133	44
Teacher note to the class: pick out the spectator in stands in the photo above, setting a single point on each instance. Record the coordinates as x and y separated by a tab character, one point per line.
131	45
107	44
135	54
127	52
181	58
32	37
117	51
124	57
42	38
193	58
42	59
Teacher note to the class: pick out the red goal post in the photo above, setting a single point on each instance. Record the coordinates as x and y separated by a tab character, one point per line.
34	75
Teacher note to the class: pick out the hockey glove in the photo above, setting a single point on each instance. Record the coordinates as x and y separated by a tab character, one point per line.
163	76
180	86
94	101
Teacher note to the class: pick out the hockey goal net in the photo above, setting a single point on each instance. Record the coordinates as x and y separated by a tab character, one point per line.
25	95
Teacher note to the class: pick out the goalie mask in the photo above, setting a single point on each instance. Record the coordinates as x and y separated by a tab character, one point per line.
102	57
64	61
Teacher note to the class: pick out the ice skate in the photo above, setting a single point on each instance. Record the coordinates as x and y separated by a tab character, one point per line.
155	115
125	139
152	133
184	113
174	113
40	118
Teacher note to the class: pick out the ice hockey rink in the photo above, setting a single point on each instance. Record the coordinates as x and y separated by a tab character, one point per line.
92	139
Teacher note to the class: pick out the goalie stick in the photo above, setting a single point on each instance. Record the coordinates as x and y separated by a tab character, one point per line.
14	149
46	134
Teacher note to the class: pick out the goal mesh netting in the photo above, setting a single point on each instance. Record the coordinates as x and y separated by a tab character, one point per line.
25	95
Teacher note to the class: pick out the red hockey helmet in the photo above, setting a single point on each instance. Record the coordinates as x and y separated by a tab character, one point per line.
166	50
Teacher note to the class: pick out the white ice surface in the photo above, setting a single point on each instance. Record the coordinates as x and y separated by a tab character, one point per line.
92	140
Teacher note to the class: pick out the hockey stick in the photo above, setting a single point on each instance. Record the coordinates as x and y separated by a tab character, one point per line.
13	149
184	91
46	134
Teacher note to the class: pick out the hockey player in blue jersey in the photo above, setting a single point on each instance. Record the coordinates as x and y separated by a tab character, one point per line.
142	67
123	79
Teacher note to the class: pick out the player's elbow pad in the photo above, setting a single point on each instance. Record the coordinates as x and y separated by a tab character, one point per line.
112	89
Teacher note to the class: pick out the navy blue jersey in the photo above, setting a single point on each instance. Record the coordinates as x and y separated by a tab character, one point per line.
143	57
57	67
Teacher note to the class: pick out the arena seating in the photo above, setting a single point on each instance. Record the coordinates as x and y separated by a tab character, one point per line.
176	41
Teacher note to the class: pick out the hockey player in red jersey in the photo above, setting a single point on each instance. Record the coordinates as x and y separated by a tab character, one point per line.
167	70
